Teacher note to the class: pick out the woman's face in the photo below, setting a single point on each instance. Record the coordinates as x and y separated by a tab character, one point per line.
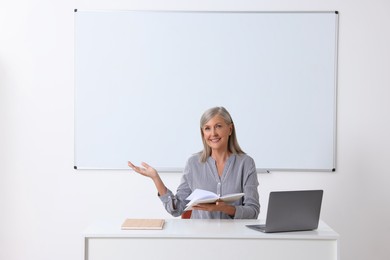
216	133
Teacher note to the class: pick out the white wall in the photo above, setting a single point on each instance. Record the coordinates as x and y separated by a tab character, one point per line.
45	204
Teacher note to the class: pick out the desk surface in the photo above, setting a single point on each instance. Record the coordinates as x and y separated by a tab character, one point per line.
200	228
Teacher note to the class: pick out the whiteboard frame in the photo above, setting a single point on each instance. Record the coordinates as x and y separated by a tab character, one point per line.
261	169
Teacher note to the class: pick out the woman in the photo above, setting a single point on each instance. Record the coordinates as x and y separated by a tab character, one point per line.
222	167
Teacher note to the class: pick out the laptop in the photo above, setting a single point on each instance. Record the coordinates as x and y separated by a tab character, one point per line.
292	211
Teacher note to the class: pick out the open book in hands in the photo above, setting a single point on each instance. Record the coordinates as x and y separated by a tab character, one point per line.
199	196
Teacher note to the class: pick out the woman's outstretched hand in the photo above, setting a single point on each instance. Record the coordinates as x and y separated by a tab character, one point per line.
146	170
149	171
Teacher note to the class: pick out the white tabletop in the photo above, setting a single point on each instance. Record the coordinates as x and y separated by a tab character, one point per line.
200	228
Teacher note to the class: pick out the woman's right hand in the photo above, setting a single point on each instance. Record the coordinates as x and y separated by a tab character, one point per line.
150	172
146	170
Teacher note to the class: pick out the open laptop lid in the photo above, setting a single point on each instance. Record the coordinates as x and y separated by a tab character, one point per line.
293	211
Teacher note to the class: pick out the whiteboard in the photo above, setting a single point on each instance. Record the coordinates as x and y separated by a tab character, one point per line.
144	78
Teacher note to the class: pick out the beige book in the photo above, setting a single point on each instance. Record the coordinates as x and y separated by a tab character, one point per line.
132	223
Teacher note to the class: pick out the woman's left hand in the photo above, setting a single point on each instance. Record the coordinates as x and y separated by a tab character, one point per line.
217	206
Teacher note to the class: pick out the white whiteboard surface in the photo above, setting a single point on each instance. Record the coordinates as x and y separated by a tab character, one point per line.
144	78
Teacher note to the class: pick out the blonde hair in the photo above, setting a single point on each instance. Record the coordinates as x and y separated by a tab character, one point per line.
233	145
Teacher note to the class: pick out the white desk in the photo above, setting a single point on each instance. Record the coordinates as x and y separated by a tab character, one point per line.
207	239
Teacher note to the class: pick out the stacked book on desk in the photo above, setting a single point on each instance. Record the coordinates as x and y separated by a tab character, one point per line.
132	223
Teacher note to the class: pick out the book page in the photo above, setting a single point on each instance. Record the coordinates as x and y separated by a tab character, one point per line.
199	196
232	197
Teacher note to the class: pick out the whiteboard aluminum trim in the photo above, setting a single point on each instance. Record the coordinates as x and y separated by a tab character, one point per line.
179	169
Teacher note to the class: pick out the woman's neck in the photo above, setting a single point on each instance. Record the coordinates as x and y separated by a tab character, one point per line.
220	156
220	159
